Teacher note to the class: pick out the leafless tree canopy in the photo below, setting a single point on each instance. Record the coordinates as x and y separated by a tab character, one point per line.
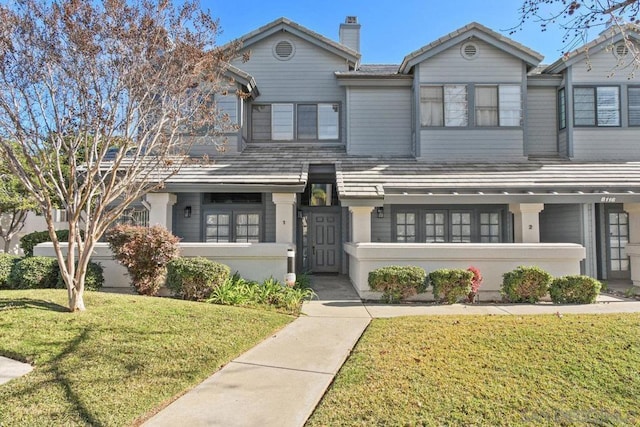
584	19
97	95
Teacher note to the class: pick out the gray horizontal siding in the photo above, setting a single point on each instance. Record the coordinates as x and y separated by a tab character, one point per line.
603	67
379	121
471	144
188	229
542	136
561	224
562	143
381	227
491	66
269	219
606	144
308	76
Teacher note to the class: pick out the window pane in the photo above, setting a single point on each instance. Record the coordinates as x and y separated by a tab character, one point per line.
307	121
460	227
321	195
261	122
584	106
217	229
247	227
510	105
434	227
328	121
562	109
608	106
455	105
486	106
490	227
405	227
634	106
282	122
431	106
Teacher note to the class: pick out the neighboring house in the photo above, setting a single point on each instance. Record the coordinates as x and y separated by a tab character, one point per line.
469	152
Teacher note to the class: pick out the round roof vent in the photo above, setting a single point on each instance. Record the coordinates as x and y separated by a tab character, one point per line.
284	50
621	50
469	50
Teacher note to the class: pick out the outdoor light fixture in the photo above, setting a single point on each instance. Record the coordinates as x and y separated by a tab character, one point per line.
380	212
187	212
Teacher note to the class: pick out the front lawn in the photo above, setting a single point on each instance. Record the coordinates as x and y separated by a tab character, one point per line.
490	370
124	357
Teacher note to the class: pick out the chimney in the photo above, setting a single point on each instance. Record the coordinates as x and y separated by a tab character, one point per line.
350	33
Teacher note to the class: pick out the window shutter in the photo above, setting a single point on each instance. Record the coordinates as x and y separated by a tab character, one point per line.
328	120
282	122
608	98
634	106
455	105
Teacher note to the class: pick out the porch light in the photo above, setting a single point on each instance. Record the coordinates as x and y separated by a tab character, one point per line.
187	212
380	212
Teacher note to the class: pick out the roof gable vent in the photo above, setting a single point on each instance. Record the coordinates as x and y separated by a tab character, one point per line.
469	50
621	50
284	50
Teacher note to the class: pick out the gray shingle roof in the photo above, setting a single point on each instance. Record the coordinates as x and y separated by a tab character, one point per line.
372	177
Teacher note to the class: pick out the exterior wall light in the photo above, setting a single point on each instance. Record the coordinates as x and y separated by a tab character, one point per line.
187	212
380	212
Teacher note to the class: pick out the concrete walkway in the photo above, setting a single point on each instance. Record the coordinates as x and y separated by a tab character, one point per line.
10	369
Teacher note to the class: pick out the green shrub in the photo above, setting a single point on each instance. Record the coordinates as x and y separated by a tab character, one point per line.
525	284
35	272
145	252
453	284
29	241
195	278
574	290
398	282
93	279
7	261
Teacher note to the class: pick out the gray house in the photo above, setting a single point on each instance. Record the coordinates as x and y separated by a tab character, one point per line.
469	152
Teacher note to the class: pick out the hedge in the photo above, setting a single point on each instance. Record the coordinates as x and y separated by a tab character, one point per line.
398	282
574	290
453	284
195	278
7	262
525	284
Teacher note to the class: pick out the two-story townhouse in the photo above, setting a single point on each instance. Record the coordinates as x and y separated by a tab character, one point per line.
467	153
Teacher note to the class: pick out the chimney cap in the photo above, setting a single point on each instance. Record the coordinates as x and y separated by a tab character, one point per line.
351	20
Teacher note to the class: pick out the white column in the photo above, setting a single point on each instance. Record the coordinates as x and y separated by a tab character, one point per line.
360	223
285	216
633	246
161	209
526	221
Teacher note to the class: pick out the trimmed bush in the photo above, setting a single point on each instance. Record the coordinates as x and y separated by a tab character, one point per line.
525	284
31	240
7	262
452	284
35	272
476	282
93	279
574	290
195	278
398	282
145	253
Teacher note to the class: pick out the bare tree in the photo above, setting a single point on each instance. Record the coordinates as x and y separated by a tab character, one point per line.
580	18
98	96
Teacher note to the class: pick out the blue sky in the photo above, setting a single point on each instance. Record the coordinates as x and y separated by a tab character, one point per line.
390	29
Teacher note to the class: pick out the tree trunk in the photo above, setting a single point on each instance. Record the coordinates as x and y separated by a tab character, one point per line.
76	300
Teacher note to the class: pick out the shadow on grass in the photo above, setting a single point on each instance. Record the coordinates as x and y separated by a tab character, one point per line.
19	303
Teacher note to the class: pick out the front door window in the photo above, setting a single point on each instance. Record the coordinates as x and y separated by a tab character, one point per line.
618	238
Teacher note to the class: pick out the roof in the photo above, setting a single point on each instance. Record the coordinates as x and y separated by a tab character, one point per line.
474	29
606	38
286	168
243	78
286	25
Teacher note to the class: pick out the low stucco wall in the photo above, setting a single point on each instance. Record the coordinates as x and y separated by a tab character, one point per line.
493	260
633	250
253	261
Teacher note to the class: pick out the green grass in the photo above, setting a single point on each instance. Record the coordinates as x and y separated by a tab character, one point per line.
119	361
490	370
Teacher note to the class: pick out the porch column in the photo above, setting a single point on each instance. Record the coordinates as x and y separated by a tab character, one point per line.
526	221
161	209
360	223
633	246
285	216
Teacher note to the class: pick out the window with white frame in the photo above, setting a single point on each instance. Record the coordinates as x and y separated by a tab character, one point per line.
443	105
498	105
596	106
288	121
634	105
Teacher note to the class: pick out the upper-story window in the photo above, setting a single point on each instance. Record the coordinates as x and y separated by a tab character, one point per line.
634	105
562	109
596	106
443	105
448	105
288	122
498	105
